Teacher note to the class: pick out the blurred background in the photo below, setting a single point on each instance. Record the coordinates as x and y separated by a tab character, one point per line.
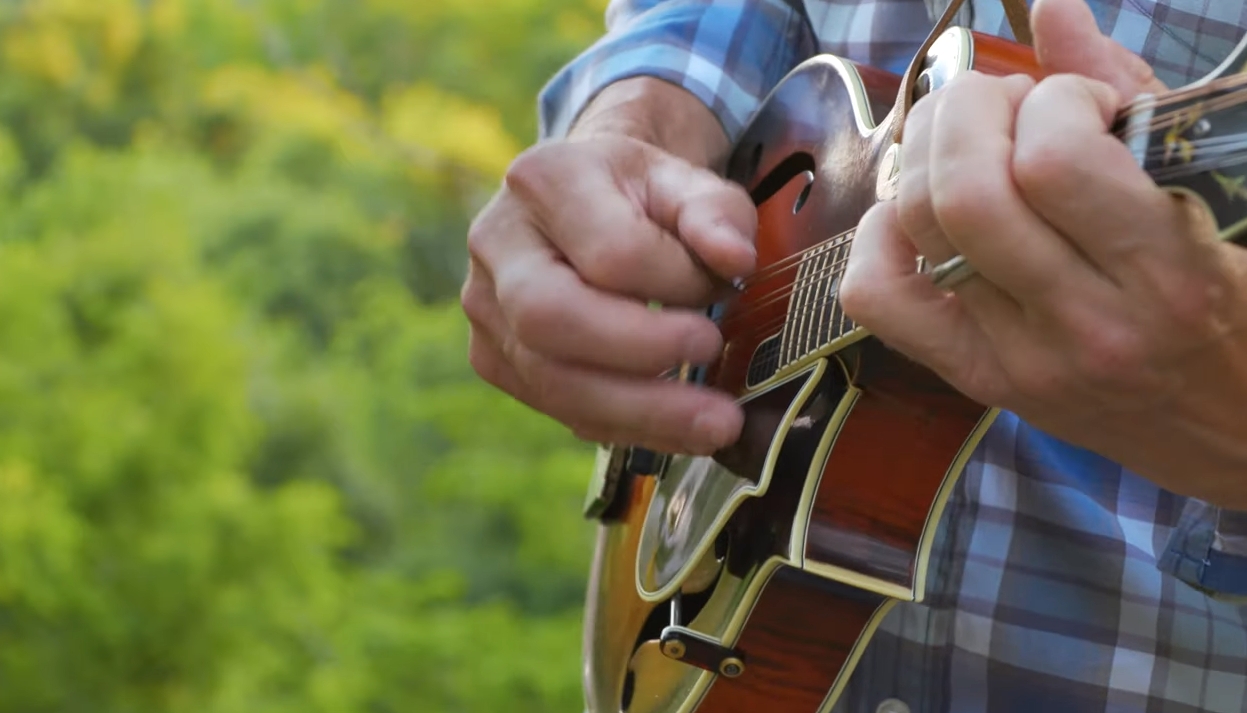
244	465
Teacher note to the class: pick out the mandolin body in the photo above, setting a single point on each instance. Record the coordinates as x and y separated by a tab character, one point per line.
753	580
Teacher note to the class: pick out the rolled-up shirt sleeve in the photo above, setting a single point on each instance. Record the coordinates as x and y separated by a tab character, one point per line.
1208	550
727	53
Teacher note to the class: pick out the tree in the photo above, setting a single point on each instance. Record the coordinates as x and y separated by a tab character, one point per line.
244	465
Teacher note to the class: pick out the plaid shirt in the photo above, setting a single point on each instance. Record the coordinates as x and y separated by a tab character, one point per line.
1060	582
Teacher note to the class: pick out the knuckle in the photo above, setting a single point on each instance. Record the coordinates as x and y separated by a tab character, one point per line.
854	293
964	202
721	204
859	292
1195	306
528	172
608	263
1039	166
478	234
534	312
1111	356
914	213
1058	86
474	300
484	362
966	82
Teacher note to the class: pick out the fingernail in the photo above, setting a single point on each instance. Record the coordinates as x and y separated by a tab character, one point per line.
731	239
725	234
715	428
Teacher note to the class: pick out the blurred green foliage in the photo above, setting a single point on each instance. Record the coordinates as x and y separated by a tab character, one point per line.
244	465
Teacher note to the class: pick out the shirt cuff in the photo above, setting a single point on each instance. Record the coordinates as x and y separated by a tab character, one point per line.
1208	550
727	53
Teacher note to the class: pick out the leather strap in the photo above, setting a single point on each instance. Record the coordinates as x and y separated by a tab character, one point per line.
1019	20
905	98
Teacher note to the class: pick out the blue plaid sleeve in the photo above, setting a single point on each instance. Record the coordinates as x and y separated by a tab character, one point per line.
727	53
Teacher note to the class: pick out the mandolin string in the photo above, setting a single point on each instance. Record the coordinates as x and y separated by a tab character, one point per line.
833	269
1163	120
1159	120
1214	142
1235	154
768	299
1233	151
1183	94
776	325
1202	165
792	261
1171	118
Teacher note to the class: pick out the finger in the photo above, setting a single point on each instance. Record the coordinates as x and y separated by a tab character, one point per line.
490	364
1068	40
1064	153
659	443
714	217
590	201
1021	258
881	292
913	199
553	312
670	428
640	410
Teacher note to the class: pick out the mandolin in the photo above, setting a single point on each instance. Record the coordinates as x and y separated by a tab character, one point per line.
752	580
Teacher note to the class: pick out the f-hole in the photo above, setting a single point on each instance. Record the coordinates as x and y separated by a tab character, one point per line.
798	164
797	205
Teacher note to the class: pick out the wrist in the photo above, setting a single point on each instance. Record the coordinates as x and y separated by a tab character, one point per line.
658	113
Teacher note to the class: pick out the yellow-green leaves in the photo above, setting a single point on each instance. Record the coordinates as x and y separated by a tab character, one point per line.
244	465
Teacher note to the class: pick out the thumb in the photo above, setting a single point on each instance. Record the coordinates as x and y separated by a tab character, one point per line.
714	218
1068	41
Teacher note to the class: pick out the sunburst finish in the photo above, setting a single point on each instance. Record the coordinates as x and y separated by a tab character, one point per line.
752	580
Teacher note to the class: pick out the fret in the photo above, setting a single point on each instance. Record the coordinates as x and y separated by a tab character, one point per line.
837	315
814	318
792	325
826	264
786	334
809	316
799	298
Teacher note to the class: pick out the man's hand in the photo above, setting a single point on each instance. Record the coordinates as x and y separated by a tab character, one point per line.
584	233
1104	310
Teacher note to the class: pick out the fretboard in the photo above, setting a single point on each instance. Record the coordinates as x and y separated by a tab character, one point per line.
814	315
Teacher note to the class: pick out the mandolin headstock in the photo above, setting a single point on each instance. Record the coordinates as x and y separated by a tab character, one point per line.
1194	140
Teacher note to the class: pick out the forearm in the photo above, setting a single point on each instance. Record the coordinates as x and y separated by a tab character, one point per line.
657	54
659	113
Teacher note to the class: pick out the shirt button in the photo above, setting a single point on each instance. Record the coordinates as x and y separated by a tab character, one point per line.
892	705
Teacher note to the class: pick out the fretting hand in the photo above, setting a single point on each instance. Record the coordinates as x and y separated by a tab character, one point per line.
1104	309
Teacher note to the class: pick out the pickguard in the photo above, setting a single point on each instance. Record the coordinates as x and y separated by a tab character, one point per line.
698	495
